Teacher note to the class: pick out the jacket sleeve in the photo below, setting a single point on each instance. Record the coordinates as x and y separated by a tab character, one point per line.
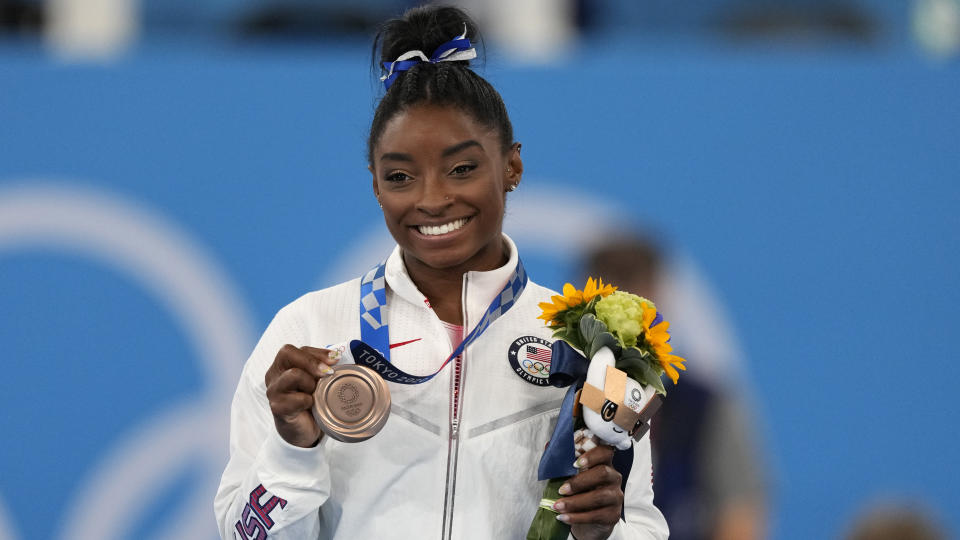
269	489
642	519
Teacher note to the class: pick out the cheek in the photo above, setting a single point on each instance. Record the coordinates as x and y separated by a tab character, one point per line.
498	204
391	214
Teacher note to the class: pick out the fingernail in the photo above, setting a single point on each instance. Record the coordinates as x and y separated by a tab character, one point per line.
558	506
564	490
579	463
334	354
563	517
326	370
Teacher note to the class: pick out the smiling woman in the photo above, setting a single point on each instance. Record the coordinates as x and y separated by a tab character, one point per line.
443	159
442	178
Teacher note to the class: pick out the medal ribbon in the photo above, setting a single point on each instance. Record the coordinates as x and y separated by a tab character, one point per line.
373	347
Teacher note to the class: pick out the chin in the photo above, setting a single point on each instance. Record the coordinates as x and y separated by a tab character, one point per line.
441	260
463	254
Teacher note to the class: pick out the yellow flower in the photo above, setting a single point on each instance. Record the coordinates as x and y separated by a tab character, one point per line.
594	289
657	337
572	297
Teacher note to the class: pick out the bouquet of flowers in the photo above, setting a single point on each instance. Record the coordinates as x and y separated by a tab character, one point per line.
631	328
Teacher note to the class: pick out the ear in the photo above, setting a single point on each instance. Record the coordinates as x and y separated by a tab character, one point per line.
514	172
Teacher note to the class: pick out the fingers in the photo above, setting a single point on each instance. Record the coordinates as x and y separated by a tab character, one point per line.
598	455
290	394
604	515
592	479
593	495
329	357
296	371
291	381
311	360
288	407
600	506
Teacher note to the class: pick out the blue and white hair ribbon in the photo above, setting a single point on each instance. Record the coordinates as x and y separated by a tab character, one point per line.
455	50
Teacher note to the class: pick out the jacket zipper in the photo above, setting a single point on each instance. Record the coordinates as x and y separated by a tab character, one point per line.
456	412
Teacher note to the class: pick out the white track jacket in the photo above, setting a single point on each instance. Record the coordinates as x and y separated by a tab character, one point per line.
439	469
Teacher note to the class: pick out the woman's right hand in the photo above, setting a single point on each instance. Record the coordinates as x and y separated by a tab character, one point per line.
291	381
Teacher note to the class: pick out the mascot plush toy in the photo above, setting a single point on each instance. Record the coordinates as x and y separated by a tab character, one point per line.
615	407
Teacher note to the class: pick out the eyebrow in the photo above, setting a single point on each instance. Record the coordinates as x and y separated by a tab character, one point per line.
447	152
396	156
458	147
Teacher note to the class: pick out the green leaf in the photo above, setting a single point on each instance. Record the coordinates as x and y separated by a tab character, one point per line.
632	361
595	335
601	340
591	327
632	353
651	377
633	367
572	316
641	366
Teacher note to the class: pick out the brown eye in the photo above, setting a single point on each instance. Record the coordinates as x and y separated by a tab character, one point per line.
461	170
397	177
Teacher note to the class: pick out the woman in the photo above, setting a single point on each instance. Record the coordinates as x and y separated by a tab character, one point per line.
458	456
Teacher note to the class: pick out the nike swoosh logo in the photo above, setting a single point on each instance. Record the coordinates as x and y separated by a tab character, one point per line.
402	343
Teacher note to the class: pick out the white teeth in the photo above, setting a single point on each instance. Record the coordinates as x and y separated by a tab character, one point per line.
434	230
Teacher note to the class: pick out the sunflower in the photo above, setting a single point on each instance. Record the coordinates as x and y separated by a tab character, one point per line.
572	297
657	336
594	289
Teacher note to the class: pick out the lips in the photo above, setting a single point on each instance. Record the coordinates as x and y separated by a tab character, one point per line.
445	228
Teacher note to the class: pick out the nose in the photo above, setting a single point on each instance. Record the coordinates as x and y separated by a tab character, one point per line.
435	198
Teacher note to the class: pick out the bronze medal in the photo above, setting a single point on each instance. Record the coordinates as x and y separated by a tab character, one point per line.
352	404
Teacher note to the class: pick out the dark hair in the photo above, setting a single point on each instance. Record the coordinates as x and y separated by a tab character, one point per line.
445	83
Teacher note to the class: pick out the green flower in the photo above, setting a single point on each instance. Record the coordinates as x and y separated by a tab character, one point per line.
622	312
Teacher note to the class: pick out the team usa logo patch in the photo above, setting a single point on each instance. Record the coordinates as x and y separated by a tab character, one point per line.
530	359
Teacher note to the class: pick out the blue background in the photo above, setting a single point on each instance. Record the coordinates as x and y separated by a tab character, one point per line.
816	190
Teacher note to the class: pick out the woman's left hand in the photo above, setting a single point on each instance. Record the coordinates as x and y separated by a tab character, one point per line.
592	499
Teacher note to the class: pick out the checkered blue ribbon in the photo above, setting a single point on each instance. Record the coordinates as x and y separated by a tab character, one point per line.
373	347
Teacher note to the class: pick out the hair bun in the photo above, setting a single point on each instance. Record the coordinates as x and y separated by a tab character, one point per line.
422	29
444	79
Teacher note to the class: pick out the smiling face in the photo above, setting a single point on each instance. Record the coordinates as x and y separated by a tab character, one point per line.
442	179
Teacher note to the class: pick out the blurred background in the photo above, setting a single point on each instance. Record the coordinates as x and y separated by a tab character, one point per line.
173	172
